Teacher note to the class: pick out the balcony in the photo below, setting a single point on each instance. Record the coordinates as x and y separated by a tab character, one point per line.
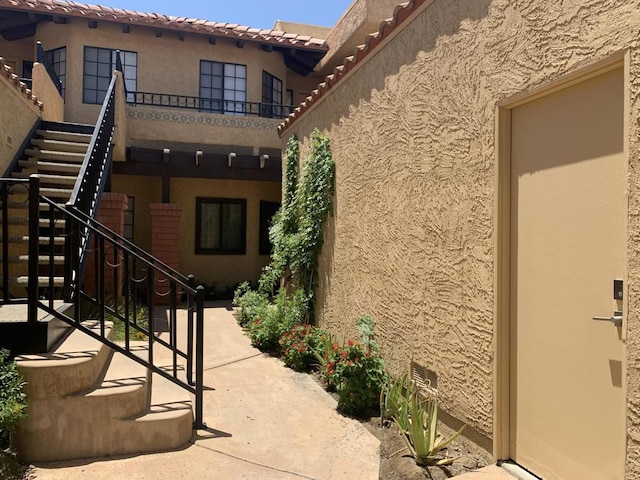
207	105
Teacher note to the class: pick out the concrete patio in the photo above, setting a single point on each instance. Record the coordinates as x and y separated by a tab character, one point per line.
264	420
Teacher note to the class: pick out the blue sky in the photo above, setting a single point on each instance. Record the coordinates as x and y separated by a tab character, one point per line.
254	13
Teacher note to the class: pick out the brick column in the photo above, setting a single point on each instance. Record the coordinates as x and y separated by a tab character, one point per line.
111	215
165	238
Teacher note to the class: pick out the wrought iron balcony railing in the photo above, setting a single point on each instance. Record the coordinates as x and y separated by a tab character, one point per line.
208	105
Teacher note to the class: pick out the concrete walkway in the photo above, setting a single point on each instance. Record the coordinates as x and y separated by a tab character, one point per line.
264	420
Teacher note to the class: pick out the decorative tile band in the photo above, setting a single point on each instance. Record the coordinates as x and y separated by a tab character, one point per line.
211	119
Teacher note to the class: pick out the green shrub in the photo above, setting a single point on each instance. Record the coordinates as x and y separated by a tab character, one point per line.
273	321
355	370
299	346
251	304
12	399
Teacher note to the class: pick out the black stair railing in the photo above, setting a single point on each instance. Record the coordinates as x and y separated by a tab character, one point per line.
124	288
126	284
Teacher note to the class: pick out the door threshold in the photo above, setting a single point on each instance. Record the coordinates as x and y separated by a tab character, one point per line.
517	471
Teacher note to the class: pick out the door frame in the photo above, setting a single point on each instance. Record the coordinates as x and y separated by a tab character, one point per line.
502	231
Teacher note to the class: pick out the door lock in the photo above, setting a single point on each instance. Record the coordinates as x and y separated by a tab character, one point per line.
616	319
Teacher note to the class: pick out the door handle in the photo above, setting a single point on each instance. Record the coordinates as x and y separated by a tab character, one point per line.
616	319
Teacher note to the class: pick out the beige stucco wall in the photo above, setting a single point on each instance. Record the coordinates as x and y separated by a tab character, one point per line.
157	127
18	51
47	93
17	117
413	132
223	270
165	64
145	190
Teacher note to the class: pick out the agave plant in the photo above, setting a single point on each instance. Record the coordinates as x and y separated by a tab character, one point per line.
417	419
393	397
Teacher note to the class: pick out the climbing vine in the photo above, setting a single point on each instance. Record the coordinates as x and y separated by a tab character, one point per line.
297	229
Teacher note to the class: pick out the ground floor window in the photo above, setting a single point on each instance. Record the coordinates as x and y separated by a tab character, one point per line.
221	225
267	211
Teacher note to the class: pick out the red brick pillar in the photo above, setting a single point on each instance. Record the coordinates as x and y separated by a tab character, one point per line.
111	215
165	237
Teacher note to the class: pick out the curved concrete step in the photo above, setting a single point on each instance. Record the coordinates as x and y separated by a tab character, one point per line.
71	367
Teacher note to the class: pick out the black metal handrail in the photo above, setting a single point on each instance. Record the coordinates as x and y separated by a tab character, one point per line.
97	161
208	105
18	194
134	281
161	266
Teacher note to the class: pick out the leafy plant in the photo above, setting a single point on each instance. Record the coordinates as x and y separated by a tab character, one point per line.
393	397
417	419
273	321
251	304
116	316
299	345
13	400
355	370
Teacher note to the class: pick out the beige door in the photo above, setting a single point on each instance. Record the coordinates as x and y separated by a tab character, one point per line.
568	244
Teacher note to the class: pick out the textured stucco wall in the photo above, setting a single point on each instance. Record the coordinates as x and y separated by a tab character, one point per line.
413	135
17	117
223	270
47	93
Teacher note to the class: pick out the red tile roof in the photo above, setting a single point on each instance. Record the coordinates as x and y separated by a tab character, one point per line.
371	43
7	72
183	24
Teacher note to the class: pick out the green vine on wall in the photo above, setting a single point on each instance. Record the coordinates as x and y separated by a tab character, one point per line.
297	231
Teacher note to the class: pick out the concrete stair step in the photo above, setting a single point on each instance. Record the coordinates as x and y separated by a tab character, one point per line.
84	138
41	240
56	192
42	259
111	418
49	179
36	166
44	222
67	127
68	157
59	145
72	366
23	281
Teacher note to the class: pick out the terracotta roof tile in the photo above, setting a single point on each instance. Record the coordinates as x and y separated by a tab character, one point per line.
7	72
82	10
372	41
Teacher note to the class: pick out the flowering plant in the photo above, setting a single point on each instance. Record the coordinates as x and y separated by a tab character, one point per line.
355	370
298	346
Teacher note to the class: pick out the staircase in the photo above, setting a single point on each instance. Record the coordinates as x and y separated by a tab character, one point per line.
89	396
84	400
55	154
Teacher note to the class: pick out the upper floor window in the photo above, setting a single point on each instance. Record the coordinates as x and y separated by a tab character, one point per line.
223	87
57	59
271	96
99	64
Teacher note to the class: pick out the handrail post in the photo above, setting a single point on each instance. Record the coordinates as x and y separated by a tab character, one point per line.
34	234
39	52
5	242
199	356
190	307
